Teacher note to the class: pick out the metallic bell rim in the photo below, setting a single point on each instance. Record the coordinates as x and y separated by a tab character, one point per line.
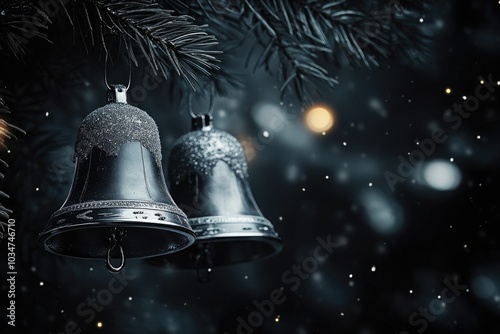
148	219
227	226
45	236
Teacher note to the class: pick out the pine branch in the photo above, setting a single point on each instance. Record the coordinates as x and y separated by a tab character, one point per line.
168	42
358	36
228	79
299	32
298	67
21	21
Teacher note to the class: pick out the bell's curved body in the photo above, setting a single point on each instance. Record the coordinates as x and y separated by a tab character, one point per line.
118	184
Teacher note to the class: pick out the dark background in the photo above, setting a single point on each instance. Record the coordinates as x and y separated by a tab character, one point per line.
417	237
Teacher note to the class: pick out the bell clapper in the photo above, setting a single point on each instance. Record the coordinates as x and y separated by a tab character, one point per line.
204	264
115	239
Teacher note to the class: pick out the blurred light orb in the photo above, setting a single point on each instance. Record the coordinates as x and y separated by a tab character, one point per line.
483	287
442	175
319	119
270	116
385	216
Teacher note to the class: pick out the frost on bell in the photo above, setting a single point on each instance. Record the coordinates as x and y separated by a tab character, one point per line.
200	151
113	125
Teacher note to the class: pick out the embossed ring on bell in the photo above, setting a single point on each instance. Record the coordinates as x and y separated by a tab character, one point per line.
118	183
208	178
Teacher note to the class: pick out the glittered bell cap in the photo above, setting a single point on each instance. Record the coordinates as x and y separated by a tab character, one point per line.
118	184
208	177
110	127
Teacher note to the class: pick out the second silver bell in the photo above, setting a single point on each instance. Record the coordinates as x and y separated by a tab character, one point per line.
208	179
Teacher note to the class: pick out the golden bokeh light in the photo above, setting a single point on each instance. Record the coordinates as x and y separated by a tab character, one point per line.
448	90
99	324
249	149
319	119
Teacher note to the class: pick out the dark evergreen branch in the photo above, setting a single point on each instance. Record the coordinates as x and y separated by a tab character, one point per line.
299	72
298	66
223	20
340	31
20	21
168	42
298	34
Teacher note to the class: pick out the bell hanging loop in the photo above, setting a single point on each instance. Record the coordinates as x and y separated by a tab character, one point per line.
198	115
110	86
